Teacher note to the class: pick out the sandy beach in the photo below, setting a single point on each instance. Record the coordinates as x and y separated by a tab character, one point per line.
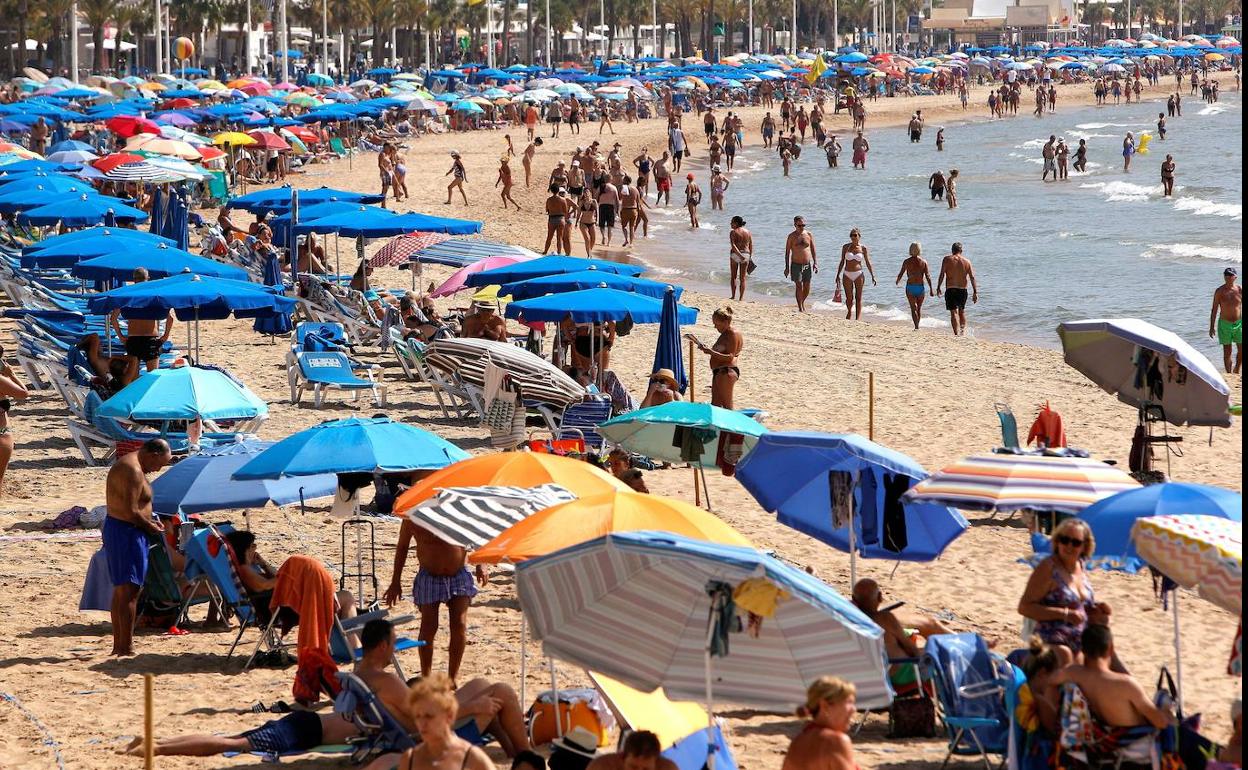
934	399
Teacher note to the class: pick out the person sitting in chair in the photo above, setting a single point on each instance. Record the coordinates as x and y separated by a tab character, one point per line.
259	579
1115	698
901	639
483	323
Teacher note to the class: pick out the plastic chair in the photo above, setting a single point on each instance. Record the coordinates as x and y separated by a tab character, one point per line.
1009	430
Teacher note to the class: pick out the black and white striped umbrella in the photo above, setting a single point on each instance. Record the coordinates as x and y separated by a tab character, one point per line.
140	172
470	517
539	380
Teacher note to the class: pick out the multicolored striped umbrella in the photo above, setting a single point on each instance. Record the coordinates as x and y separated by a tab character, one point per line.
1015	482
403	247
635	606
1201	552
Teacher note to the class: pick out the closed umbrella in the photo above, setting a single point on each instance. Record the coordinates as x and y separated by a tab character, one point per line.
668	352
1007	483
1132	360
537	378
276	323
202	483
513	469
184	393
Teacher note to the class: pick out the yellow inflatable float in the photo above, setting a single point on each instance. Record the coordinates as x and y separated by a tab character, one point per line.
1142	147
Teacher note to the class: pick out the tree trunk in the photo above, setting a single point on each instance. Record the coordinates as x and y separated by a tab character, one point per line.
23	10
373	55
97	37
506	33
684	28
529	32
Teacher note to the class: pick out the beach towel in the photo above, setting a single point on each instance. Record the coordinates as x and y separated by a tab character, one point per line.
1047	430
305	586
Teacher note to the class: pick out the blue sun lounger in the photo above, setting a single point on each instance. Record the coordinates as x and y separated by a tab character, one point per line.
329	369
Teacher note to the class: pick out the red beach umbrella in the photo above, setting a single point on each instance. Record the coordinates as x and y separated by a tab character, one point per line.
128	125
268	140
110	162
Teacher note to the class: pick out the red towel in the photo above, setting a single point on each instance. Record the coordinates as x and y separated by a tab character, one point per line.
1047	429
304	585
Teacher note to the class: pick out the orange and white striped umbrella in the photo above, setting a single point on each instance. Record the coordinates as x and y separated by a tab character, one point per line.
1007	482
1201	552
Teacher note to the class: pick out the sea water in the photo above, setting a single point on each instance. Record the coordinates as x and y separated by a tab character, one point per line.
1102	244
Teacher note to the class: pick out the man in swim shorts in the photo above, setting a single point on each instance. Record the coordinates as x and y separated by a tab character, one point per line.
800	262
1050	155
143	338
957	269
296	732
1227	319
127	529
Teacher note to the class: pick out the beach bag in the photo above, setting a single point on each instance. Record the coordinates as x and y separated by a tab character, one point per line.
552	715
500	412
912	717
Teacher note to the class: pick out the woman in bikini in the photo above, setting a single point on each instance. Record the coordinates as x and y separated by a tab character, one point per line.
10	388
399	184
824	742
587	219
431	705
724	369
1059	596
853	256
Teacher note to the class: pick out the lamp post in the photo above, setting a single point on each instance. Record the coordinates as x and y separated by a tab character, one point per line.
325	37
549	40
793	30
160	56
654	23
73	42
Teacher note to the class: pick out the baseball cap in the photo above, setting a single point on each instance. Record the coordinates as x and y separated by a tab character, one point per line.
1230	271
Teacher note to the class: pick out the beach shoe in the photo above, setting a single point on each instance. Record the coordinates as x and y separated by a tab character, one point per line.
175	631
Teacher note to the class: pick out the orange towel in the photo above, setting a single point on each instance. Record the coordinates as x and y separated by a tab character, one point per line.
1048	428
304	585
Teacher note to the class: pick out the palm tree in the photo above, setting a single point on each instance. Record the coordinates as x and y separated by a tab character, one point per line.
97	14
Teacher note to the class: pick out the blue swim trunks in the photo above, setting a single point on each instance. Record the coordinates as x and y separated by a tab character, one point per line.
915	289
125	548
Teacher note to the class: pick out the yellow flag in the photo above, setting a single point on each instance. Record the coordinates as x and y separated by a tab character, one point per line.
817	68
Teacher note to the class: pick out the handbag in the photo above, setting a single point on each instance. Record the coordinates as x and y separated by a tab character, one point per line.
913	717
499	414
750	267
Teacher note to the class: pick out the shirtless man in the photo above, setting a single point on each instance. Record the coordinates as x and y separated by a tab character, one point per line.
898	641
556	215
483	323
608	209
1114	697
860	147
38	135
915	269
936	184
740	256
957	269
443	578
662	181
129	524
800	261
1050	158
641	751
631	200
142	338
1226	318
493	706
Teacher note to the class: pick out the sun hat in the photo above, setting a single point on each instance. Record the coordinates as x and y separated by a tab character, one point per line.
579	740
667	375
689	177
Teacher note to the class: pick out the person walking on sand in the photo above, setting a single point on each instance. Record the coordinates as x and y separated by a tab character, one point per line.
957	270
587	219
849	273
678	145
504	179
951	189
861	148
526	160
693	199
740	257
556	214
458	175
127	528
1167	176
916	271
1128	149
385	169
800	261
1226	318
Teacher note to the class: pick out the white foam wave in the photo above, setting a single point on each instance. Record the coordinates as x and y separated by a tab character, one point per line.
1202	207
1032	144
1193	251
889	313
1095	126
1124	192
1213	109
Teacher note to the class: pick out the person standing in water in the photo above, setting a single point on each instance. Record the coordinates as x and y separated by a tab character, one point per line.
951	189
1081	156
916	272
1226	319
693	199
957	269
1063	159
800	261
1049	153
740	257
936	184
849	273
1128	149
1167	176
860	147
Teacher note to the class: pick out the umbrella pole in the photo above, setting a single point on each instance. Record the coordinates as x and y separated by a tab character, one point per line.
710	700
524	658
853	547
697	494
871	405
706	491
554	693
1178	649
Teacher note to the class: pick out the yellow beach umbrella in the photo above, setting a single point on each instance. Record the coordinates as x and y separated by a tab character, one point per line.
210	85
232	138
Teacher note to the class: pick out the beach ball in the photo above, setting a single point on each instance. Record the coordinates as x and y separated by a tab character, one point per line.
183	48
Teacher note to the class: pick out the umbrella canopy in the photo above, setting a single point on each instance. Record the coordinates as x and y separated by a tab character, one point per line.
513	469
191	297
793	474
1130	358
353	445
470	517
67	249
280	197
1201	552
538	379
184	393
159	260
645	592
592	306
651	431
83	211
458	280
202	483
550	265
403	247
668	352
1014	482
586	279
586	518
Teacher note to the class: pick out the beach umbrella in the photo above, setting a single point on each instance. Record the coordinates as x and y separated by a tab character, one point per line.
1134	360
585	279
655	595
267	140
184	393
160	145
458	280
280	197
139	172
1004	483
160	261
74	157
32	197
511	469
403	247
652	431
202	483
82	211
669	352
317	79
586	518
593	306
470	517
466	106
130	125
113	160
538	379
191	297
67	249
353	445
799	476
232	138
550	264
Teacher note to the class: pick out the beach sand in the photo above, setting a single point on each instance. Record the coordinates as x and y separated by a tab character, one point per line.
934	398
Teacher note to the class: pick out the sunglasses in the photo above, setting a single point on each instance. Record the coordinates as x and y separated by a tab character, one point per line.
1068	540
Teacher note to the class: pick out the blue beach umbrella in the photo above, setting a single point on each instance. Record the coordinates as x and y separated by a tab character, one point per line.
70	248
413	222
279	198
83	211
161	261
793	474
854	57
184	393
191	297
203	483
353	445
596	305
548	265
29	198
585	279
669	353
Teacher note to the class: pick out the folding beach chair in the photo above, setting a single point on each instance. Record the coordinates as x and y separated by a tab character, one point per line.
1096	746
977	690
218	188
1009	430
329	369
380	732
343	651
577	421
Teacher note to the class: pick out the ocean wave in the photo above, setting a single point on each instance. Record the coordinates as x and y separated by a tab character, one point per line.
1124	192
1031	144
1202	207
1193	251
1095	126
1214	109
888	313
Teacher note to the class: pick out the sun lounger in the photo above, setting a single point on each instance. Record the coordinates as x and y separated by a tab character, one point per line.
1095	745
329	369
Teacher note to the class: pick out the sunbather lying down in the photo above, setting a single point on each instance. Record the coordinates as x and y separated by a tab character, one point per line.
295	732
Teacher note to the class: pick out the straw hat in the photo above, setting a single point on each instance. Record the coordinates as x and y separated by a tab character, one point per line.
579	740
667	375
